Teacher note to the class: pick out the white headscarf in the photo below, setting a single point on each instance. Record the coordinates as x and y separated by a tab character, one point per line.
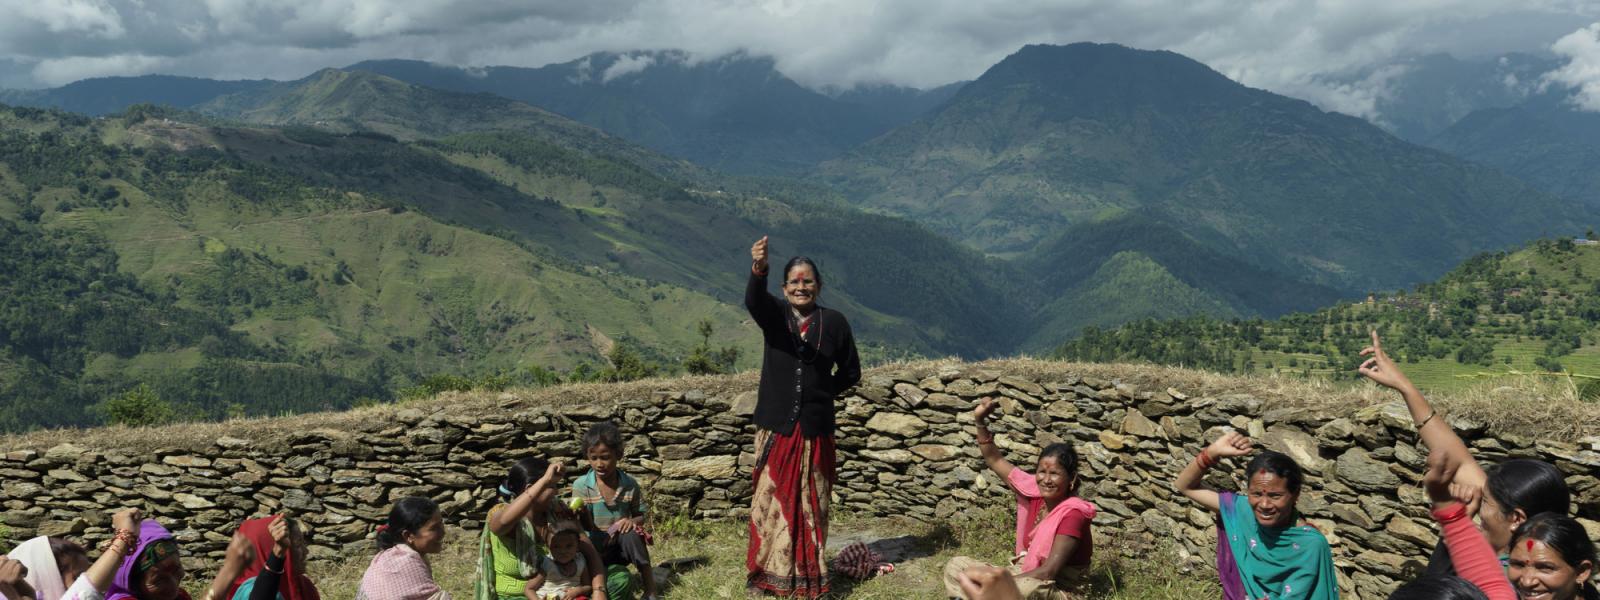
43	575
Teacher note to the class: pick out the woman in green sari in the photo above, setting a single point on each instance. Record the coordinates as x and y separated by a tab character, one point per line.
1265	551
510	551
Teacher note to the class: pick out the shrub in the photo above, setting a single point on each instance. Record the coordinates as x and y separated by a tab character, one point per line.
138	407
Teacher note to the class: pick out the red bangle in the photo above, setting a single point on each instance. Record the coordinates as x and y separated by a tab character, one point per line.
1205	460
1450	514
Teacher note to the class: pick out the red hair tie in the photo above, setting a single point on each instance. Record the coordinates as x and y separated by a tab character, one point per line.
382	528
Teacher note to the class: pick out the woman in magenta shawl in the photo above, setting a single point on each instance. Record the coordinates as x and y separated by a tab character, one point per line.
1054	544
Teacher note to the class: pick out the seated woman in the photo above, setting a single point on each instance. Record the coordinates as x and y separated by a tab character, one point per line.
1263	548
401	570
153	571
1516	489
52	565
265	561
1054	545
1552	558
509	554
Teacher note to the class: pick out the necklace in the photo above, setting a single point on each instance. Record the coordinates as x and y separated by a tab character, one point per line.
806	354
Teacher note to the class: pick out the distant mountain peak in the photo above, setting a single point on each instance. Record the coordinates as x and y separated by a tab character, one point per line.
1112	75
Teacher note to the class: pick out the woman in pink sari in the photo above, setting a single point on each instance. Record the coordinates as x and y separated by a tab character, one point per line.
1054	545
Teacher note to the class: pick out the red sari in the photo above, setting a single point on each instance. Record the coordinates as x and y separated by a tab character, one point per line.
794	479
293	585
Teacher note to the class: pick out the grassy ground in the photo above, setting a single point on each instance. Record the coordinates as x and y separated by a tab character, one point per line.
720	546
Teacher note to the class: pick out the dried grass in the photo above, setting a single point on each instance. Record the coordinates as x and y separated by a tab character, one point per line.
1529	407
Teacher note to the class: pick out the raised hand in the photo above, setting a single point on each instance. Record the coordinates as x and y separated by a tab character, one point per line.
985	408
13	579
280	535
758	254
1231	444
1470	495
127	519
1380	369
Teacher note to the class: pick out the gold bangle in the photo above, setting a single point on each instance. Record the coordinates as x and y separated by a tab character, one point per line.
1431	412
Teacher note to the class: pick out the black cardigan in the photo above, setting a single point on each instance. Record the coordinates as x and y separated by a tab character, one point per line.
793	390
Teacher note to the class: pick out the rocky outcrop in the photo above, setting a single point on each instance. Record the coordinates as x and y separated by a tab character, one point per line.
905	442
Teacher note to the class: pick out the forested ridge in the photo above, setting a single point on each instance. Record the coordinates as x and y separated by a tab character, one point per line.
1532	310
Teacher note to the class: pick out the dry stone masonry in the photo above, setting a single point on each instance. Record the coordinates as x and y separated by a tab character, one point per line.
906	448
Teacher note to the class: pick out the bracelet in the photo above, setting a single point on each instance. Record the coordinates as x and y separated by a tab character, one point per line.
1205	461
987	440
1431	412
1451	514
128	539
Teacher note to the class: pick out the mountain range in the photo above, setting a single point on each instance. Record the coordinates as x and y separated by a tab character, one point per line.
1055	137
361	229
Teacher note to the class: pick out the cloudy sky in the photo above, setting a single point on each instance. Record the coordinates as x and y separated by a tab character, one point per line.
1304	48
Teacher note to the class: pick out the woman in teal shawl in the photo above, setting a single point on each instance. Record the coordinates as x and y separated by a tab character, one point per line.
1264	549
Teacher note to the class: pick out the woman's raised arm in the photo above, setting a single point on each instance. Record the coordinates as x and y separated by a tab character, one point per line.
1231	444
991	453
1431	426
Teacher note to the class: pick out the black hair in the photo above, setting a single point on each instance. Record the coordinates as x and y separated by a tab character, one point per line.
1532	485
603	433
63	550
802	260
565	527
1067	457
1277	463
407	516
522	474
1567	537
1438	587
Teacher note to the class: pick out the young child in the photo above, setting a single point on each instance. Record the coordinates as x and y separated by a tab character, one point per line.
563	574
613	505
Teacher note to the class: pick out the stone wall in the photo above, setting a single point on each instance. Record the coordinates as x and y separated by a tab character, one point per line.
906	448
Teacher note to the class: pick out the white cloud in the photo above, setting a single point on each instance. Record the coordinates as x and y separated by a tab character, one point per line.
61	71
627	64
1581	48
65	17
1305	48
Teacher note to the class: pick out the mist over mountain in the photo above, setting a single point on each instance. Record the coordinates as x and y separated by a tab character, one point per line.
735	113
1424	95
1546	141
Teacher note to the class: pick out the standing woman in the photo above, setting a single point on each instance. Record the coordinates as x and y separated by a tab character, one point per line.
1264	551
808	360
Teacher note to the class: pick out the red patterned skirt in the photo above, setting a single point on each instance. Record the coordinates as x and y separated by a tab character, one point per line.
794	477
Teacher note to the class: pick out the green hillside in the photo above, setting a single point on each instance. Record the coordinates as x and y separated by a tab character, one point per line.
1126	268
599	200
1059	136
1534	310
275	294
